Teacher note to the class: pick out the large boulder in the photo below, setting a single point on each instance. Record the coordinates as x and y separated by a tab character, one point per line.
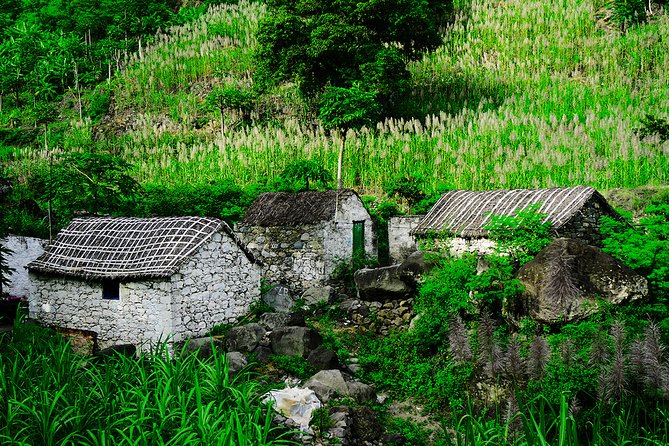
203	346
279	299
330	383
294	341
414	266
244	338
317	294
568	280
272	321
381	284
323	358
236	362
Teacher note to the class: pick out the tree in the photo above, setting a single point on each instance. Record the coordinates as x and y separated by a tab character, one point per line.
347	108
318	43
88	182
304	171
228	98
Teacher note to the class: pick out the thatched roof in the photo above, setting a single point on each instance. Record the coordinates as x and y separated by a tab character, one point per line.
126	248
285	209
465	213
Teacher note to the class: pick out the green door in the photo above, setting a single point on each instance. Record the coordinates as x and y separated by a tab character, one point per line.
358	238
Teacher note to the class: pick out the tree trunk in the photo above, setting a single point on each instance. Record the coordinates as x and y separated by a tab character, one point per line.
340	162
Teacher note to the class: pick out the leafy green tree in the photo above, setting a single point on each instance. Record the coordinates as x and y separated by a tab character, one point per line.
87	182
318	43
302	172
408	188
644	248
229	98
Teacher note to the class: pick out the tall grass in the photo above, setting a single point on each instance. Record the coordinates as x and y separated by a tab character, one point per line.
53	397
522	94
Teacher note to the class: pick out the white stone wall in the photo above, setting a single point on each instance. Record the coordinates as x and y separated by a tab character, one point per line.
290	255
303	256
339	234
23	251
400	241
140	316
216	286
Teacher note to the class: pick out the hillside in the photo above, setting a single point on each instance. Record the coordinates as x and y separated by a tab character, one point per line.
521	94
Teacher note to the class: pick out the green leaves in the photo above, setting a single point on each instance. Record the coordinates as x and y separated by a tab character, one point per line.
337	44
644	248
345	108
301	173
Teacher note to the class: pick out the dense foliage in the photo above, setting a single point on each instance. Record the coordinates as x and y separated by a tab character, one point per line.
337	44
52	396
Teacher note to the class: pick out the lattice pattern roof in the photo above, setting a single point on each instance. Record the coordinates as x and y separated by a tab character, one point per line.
465	213
282	208
125	248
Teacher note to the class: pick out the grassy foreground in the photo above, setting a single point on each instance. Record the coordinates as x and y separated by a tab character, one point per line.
53	397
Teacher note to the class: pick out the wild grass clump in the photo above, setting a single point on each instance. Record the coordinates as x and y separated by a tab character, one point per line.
53	397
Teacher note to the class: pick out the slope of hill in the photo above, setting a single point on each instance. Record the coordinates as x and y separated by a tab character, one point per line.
521	94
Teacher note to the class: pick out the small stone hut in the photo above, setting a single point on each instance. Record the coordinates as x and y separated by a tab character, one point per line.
573	212
300	238
140	280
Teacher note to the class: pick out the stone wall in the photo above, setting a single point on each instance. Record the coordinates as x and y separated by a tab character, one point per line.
585	224
290	255
23	251
302	256
141	314
400	242
216	286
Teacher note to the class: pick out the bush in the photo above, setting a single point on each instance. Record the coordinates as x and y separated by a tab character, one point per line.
294	365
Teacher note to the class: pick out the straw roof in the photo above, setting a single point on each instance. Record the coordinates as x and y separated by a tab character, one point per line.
283	209
465	213
125	248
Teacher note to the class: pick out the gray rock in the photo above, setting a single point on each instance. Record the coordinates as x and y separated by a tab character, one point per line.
294	341
262	354
328	383
244	338
361	392
568	280
204	346
279	299
323	358
127	350
236	361
381	284
413	268
272	321
365	425
317	294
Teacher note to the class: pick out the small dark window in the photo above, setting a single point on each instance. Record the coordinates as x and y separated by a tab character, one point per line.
110	289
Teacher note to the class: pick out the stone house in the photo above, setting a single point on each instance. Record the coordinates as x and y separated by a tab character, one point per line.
22	251
462	215
140	280
300	238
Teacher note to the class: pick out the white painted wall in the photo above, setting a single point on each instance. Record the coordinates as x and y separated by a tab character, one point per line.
400	242
23	251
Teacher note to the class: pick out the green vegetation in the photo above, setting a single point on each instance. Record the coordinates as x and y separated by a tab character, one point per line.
596	381
52	396
533	94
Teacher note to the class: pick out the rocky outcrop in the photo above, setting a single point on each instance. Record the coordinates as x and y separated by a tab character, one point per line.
294	341
272	321
279	299
569	280
244	338
330	383
381	284
204	346
317	294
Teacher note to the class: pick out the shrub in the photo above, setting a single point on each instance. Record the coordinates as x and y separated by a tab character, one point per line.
294	365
